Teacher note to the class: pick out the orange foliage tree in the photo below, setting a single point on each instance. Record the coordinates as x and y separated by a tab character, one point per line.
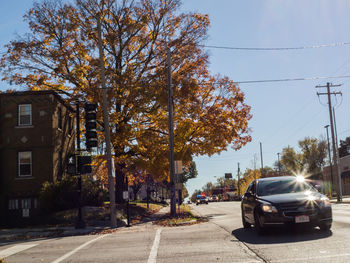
60	53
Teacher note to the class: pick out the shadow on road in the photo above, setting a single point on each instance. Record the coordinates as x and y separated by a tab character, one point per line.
210	216
283	234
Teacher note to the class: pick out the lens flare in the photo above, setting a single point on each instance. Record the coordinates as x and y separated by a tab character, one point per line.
300	178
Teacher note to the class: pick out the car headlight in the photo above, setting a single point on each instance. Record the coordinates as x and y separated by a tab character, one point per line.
268	208
324	202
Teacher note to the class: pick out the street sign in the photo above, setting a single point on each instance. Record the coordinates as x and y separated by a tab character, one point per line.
125	195
228	175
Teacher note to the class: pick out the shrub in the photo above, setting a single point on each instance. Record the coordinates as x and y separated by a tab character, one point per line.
63	195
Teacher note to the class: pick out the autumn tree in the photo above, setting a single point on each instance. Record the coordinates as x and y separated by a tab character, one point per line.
208	188
310	159
226	183
291	160
190	172
248	176
60	53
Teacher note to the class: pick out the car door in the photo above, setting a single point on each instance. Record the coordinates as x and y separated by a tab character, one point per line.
247	204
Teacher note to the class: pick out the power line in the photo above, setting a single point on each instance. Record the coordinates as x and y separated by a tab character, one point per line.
292	79
277	48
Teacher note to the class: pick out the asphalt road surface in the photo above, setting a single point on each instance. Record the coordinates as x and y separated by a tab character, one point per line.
221	239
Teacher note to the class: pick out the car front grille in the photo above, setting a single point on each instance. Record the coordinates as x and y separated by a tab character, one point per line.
298	208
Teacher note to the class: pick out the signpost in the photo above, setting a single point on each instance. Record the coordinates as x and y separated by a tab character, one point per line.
178	181
228	175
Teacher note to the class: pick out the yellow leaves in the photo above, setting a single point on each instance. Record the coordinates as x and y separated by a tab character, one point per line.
209	111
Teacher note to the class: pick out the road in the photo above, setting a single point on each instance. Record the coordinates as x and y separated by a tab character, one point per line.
221	239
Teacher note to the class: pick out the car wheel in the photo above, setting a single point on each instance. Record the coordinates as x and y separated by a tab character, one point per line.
325	227
246	225
257	224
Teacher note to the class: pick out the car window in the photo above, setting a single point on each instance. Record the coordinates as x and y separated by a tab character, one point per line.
273	187
249	188
253	189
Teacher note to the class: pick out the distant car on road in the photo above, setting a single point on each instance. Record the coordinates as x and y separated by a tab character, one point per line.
214	198
201	199
283	200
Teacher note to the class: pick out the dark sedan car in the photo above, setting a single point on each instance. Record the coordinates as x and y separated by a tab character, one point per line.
284	200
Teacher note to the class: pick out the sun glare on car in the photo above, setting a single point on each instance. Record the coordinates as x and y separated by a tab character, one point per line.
300	178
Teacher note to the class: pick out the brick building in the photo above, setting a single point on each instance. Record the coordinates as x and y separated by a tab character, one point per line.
36	135
345	175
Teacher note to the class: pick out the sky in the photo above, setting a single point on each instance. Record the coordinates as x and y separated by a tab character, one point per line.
283	112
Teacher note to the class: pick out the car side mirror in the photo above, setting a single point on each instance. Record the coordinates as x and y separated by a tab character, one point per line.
248	194
318	187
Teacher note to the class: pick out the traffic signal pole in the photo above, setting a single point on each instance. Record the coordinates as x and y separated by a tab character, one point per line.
80	221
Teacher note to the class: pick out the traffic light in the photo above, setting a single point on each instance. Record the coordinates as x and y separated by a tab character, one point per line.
90	125
84	164
71	166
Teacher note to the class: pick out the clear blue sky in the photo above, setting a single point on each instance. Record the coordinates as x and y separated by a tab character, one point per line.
283	112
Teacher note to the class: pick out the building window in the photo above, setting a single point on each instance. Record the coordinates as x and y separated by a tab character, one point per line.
26	203
13	204
60	118
25	164
25	114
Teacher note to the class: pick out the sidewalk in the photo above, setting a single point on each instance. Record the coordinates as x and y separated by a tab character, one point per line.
346	200
15	234
45	232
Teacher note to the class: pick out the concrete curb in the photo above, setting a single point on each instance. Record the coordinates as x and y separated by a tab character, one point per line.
45	232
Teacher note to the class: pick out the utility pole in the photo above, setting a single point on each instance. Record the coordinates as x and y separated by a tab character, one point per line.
107	132
171	138
278	163
335	152
335	129
330	160
254	162
261	158
238	182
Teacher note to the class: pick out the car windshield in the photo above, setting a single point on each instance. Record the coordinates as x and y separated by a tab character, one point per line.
275	187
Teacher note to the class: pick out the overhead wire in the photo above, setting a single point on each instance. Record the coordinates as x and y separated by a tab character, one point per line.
291	79
277	48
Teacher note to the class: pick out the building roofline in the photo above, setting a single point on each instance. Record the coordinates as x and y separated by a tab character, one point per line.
41	92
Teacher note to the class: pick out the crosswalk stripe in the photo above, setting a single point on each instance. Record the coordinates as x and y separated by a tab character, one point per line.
77	249
153	255
15	249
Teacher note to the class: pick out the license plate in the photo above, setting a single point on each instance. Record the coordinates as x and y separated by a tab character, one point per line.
302	219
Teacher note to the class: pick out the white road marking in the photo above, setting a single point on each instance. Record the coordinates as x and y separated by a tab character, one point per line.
153	255
78	248
15	249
